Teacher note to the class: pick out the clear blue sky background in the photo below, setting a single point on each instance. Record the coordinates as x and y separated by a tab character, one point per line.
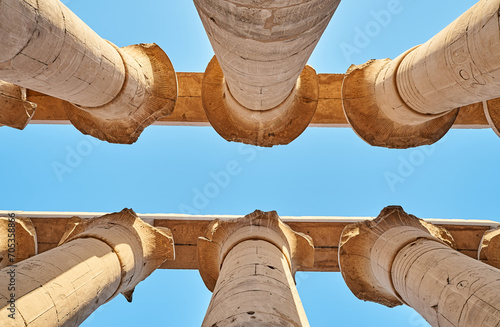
327	172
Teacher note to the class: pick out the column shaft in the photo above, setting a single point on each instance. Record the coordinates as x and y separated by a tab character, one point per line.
414	99
263	47
248	263
255	285
98	259
398	258
62	286
47	48
446	287
459	66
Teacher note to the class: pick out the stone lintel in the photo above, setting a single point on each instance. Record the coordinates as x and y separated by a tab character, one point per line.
223	235
140	247
279	125
367	250
489	250
189	111
325	231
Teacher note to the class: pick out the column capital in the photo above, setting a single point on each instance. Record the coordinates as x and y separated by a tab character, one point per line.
223	235
149	92
491	110
489	249
378	114
25	243
367	250
276	126
15	110
140	247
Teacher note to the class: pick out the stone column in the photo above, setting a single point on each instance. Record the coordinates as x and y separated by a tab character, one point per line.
489	249
17	240
261	49
249	264
410	101
47	48
15	110
97	260
398	258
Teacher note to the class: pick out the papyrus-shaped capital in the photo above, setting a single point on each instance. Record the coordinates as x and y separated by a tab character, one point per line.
367	251
140	247
489	249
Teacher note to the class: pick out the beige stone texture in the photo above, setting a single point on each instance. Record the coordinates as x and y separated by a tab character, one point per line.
249	264
325	231
374	110
50	231
47	48
263	46
458	66
149	93
412	100
98	259
492	114
279	125
15	110
18	240
489	250
398	258
189	108
252	92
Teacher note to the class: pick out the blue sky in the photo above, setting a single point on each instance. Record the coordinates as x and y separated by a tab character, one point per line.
328	172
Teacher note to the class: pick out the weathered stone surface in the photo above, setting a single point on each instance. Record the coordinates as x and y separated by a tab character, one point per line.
325	231
253	93
279	125
398	258
458	66
365	261
489	249
249	264
18	240
377	114
492	113
47	48
149	93
97	259
263	46
189	111
15	110
411	100
140	247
